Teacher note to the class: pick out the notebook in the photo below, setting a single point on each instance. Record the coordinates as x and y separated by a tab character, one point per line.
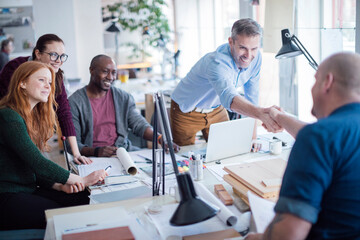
228	139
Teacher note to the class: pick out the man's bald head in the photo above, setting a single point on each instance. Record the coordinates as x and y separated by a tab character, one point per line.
97	60
345	67
103	74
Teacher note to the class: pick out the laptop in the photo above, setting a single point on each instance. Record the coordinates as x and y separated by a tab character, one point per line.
228	139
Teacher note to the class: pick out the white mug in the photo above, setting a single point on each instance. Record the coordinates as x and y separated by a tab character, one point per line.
174	192
275	146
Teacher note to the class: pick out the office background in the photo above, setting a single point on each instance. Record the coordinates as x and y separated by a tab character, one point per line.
197	27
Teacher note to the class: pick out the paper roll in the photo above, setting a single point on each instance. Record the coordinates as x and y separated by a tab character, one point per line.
225	215
126	161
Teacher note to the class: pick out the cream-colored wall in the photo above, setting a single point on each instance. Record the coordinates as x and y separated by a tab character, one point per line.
78	23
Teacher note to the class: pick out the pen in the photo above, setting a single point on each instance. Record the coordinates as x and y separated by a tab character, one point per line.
78	228
108	168
142	162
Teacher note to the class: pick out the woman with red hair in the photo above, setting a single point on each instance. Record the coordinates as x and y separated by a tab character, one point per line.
49	49
30	183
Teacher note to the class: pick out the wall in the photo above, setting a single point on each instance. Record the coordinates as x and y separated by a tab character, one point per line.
78	23
205	26
308	32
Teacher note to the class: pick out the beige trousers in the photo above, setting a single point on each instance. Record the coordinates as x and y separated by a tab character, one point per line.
185	125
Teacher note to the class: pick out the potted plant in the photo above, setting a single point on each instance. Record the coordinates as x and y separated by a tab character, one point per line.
147	17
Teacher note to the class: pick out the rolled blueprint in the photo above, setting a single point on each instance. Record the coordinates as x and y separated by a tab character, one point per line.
126	161
225	215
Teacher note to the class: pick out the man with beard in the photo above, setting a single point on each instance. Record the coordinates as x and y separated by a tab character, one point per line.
102	114
319	196
202	97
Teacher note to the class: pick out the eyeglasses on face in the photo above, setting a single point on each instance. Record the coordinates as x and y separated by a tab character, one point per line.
54	56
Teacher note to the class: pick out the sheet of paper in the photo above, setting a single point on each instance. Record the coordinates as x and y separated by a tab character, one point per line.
97	219
262	211
101	163
170	181
136	192
112	188
162	223
147	154
86	221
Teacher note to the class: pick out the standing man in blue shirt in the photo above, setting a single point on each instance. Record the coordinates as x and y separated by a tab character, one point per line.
320	192
202	97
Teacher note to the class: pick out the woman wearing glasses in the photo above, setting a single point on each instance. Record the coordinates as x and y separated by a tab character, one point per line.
49	49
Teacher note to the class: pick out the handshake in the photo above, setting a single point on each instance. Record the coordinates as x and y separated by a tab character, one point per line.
271	120
276	120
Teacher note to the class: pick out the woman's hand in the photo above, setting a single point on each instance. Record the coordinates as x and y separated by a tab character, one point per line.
72	188
94	177
79	159
69	188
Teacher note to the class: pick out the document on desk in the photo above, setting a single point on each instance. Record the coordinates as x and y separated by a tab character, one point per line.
120	165
135	192
162	223
95	220
262	211
146	154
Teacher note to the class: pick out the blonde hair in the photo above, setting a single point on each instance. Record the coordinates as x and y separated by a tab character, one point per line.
41	120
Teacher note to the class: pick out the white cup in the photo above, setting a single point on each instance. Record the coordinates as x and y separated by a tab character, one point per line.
275	146
174	192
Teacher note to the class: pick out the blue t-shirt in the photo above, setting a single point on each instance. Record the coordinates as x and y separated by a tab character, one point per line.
321	183
213	81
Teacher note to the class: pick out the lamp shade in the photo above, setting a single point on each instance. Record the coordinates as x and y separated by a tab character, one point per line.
191	208
288	49
113	28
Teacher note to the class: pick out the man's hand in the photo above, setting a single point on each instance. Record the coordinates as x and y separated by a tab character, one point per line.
107	151
268	122
175	146
82	160
275	111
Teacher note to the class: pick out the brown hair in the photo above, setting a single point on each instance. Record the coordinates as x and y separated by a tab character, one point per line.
40	120
41	46
245	26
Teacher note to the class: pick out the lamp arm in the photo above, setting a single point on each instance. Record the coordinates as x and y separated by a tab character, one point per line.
311	60
165	127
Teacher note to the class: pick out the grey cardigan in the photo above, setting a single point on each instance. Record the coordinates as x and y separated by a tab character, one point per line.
126	117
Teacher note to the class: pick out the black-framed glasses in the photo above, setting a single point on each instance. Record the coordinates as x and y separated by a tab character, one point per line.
54	56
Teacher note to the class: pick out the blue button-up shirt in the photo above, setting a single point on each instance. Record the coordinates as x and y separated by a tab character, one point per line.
213	81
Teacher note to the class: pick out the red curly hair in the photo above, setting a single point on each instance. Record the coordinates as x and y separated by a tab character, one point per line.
41	120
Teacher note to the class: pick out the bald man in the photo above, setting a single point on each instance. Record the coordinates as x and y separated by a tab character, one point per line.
320	192
102	114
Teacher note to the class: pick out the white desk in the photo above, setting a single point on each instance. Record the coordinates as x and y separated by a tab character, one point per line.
137	205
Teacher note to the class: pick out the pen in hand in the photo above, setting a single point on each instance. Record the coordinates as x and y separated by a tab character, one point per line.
108	168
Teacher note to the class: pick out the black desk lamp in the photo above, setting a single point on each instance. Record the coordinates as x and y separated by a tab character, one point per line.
191	208
292	47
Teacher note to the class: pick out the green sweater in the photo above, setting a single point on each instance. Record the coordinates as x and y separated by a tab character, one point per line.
22	165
